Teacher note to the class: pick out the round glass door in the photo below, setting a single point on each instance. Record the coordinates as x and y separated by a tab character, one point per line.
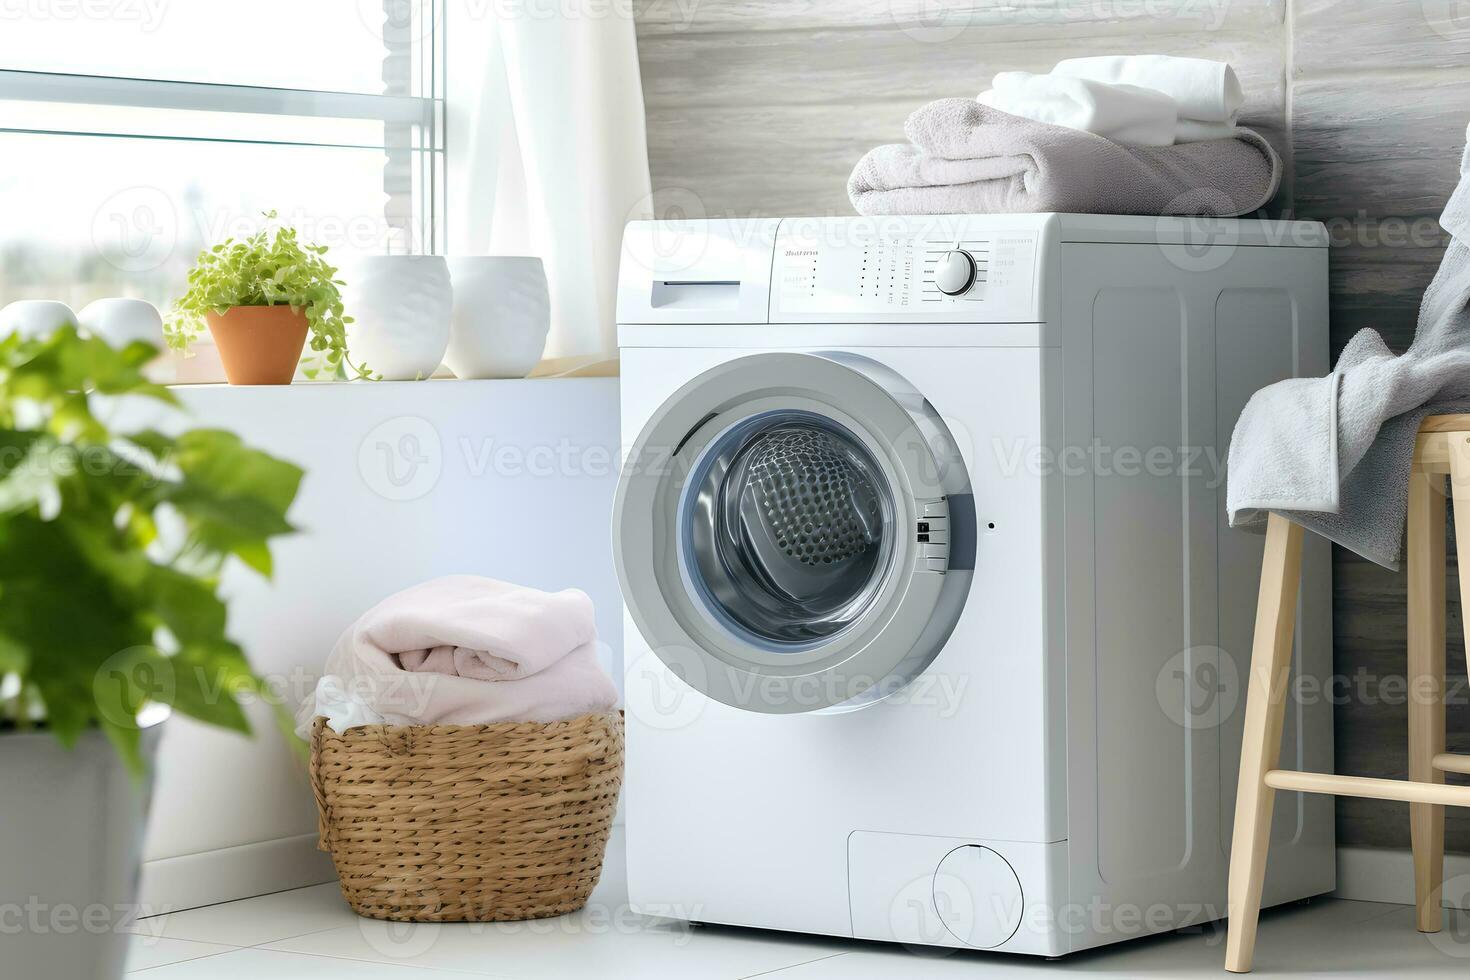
795	532
787	527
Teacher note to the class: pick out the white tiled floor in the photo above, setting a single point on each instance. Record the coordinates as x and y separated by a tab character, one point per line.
310	934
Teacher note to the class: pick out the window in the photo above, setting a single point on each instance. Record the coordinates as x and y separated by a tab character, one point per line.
135	132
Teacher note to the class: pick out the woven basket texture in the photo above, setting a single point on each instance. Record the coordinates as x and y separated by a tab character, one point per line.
468	823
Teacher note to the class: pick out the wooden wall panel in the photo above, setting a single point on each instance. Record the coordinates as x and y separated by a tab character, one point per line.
1380	145
952	19
1339	37
1378	277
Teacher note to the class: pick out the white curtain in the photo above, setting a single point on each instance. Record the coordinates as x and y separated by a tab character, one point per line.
548	154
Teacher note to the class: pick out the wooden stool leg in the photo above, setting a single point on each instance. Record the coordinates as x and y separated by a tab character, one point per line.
1426	560
1265	714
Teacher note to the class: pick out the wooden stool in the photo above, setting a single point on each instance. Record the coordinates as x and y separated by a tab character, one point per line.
1443	448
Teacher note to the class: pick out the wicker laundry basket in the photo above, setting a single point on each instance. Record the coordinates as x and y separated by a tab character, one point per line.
468	823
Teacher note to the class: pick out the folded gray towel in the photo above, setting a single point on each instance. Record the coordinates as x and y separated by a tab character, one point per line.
1334	453
967	158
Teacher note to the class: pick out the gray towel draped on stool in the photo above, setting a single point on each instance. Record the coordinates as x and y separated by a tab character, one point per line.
1334	453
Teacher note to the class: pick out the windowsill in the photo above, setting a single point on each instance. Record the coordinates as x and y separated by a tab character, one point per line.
307	383
203	369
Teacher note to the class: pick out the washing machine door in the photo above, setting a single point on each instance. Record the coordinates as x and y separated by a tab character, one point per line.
795	532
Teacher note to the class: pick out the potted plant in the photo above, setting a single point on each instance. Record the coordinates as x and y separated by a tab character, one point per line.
261	296
111	547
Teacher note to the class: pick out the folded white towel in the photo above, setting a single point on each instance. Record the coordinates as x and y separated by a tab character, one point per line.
1208	91
1122	113
343	707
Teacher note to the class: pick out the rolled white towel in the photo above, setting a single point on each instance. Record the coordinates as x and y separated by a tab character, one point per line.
1208	91
1122	113
1195	131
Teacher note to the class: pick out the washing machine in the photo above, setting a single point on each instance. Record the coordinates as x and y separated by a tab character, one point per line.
935	629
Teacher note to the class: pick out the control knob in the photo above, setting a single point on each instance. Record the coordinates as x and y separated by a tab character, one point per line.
955	273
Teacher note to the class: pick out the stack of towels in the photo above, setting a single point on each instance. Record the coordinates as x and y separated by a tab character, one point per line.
1120	134
464	650
1141	100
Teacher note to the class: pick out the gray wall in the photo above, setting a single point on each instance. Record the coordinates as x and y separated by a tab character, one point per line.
763	107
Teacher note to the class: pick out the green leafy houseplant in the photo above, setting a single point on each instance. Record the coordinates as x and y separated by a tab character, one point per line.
112	544
269	268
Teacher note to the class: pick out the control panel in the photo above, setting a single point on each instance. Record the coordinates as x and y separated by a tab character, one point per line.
931	531
930	269
953	269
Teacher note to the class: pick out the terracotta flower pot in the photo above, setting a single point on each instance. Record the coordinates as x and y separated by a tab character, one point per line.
259	345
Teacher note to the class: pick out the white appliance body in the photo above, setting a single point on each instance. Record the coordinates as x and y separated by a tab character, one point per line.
1058	770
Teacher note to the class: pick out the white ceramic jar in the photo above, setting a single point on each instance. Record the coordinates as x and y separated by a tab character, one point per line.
400	306
35	319
502	313
120	321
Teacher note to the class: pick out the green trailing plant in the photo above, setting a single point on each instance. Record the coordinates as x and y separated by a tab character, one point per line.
269	268
112	544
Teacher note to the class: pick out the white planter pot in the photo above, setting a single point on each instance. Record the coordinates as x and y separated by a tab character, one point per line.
400	305
71	846
121	321
35	319
502	312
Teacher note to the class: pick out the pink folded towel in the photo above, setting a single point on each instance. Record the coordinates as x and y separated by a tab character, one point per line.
489	630
466	650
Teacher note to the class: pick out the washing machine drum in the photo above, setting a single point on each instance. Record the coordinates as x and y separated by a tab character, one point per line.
795	533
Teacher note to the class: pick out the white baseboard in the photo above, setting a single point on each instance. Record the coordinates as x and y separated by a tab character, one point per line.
211	877
1372	874
1364	874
